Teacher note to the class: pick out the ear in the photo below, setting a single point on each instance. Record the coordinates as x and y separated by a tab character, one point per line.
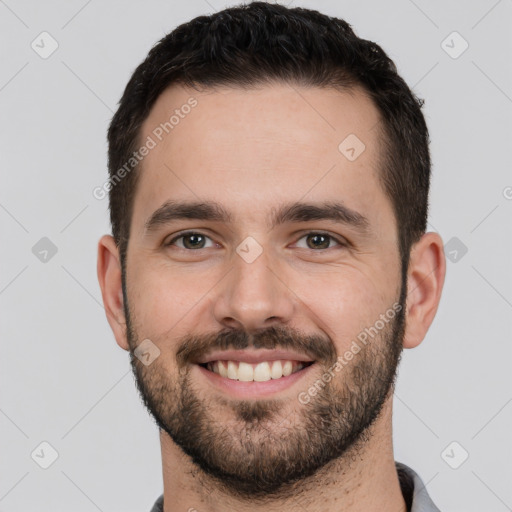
109	277
427	269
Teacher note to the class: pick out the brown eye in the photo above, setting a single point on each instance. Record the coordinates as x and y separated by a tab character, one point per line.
318	241
191	240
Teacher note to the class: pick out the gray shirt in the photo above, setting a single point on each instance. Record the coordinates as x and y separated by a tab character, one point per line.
413	489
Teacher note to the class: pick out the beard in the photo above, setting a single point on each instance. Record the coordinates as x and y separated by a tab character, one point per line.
257	449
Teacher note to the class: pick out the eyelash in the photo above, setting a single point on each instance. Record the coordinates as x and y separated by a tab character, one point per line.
186	233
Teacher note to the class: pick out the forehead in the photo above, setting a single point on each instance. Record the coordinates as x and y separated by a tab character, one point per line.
255	148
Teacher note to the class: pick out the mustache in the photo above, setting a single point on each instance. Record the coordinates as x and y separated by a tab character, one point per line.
318	348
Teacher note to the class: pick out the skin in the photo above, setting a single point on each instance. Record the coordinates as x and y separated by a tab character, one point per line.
252	151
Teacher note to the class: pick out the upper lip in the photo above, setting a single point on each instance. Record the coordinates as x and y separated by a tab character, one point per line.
253	356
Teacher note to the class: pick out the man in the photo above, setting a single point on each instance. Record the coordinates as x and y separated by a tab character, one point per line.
269	177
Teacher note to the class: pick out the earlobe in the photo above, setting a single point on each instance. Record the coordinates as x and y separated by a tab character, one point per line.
110	280
427	269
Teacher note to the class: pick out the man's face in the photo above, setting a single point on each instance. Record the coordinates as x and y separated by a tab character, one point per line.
267	284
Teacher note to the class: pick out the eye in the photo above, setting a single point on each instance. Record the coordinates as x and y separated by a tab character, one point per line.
190	240
316	240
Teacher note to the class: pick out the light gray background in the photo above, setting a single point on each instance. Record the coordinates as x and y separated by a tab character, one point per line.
63	378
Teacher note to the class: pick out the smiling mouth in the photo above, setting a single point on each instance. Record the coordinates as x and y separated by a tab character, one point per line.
255	372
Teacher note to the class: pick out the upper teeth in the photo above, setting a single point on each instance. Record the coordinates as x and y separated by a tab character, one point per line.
260	372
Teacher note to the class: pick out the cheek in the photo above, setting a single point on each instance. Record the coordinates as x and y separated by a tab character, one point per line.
344	303
163	300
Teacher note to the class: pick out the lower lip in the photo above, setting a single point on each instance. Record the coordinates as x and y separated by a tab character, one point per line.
253	389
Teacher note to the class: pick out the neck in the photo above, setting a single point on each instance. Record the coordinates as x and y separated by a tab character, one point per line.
363	480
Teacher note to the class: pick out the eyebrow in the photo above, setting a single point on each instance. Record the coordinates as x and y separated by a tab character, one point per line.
288	213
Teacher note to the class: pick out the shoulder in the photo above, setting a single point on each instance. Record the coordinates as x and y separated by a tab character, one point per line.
414	491
159	505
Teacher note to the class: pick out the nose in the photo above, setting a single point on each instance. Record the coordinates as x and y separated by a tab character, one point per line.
254	296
